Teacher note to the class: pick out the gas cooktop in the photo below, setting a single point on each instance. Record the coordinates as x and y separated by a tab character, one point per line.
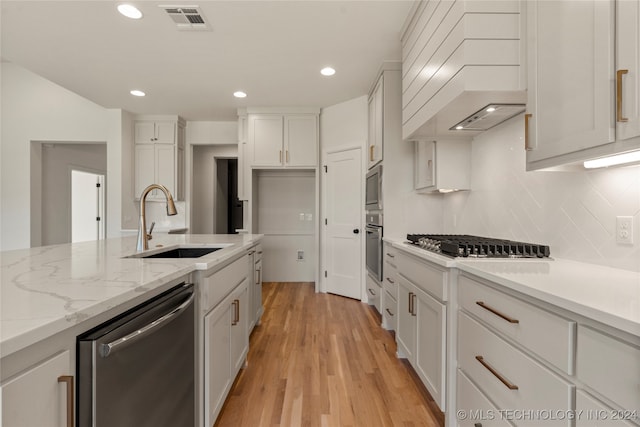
461	245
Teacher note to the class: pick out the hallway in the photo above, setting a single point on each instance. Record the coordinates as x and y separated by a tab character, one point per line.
323	360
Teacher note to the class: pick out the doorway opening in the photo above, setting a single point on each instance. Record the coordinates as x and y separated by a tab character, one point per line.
228	215
87	206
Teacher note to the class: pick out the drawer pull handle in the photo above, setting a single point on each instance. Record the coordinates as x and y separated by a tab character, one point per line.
527	146
497	313
68	380
371	291
390	255
389	311
390	281
496	374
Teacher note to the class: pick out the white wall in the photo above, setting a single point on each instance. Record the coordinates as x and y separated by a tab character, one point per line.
57	163
572	212
204	174
286	209
209	132
35	109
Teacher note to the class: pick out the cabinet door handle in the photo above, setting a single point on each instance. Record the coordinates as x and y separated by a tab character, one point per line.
236	312
411	302
371	291
389	311
413	306
391	255
68	379
497	313
390	281
287	154
259	279
497	374
371	148
527	116
619	117
280	156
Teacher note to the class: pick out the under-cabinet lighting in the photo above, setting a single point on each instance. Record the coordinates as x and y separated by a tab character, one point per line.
130	11
239	94
137	92
327	71
444	190
619	159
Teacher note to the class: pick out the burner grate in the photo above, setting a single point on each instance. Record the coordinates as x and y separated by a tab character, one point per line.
460	245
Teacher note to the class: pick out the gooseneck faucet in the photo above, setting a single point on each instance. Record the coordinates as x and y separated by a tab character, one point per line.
143	237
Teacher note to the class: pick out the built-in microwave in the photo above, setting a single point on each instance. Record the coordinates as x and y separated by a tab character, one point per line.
373	198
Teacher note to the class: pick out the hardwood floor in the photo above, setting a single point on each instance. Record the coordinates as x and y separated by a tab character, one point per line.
323	360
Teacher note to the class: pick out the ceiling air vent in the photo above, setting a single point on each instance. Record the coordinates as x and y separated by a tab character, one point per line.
187	17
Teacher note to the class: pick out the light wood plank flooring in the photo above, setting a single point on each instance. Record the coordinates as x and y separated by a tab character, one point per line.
323	360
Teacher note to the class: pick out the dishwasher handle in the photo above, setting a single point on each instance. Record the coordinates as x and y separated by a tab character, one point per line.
108	349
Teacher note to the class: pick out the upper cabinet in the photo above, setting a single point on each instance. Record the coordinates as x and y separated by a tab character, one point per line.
583	81
458	57
159	155
282	140
442	166
384	111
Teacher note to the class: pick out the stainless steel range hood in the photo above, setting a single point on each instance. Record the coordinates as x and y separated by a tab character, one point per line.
488	116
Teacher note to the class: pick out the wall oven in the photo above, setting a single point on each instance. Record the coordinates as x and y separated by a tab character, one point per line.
374	245
373	193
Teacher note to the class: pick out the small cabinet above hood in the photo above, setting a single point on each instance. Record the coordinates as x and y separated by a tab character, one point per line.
460	58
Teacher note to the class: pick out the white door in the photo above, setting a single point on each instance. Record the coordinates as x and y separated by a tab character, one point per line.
87	206
343	229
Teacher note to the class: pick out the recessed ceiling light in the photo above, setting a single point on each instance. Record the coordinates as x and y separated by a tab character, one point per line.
327	71
130	11
239	94
137	92
459	127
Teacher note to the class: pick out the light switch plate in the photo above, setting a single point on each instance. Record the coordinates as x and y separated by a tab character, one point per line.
624	230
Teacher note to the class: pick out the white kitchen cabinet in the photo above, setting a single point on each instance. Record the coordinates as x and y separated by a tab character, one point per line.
38	397
376	118
159	157
390	289
590	412
257	287
374	293
151	132
384	115
422	318
283	140
628	58
442	165
224	297
570	47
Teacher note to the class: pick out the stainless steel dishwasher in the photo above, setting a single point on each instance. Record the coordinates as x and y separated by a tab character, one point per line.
137	370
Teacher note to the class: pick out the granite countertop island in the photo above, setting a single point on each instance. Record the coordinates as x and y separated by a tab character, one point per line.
46	290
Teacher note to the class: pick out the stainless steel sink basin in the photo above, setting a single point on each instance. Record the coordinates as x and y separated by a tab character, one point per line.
180	252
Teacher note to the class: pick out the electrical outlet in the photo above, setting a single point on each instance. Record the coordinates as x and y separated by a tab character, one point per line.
624	229
300	255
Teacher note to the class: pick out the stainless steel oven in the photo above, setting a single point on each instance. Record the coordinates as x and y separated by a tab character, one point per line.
374	245
373	193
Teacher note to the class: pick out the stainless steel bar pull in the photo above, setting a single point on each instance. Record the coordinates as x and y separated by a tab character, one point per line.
107	349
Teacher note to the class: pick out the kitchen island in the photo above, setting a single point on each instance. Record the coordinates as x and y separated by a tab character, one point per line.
49	295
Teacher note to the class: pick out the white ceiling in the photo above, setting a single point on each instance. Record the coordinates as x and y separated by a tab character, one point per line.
273	50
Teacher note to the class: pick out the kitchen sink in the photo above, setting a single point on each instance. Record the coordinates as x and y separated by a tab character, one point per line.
180	252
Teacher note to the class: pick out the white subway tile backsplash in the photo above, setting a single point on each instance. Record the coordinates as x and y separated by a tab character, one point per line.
572	212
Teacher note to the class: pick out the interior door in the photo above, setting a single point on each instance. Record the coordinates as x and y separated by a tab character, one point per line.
343	229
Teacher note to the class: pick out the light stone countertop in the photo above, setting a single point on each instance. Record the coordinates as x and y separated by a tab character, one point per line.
48	289
607	295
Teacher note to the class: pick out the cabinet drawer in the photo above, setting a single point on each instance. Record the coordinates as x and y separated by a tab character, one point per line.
475	406
545	334
390	280
390	311
219	284
609	366
423	274
480	351
258	252
592	413
374	292
390	254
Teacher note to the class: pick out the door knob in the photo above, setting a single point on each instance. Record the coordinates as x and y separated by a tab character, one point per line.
356	231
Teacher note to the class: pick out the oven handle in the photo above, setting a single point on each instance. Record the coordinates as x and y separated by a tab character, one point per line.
108	349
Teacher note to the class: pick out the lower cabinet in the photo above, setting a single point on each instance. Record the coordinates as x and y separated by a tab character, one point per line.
421	336
592	413
474	408
374	292
226	344
41	396
257	286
